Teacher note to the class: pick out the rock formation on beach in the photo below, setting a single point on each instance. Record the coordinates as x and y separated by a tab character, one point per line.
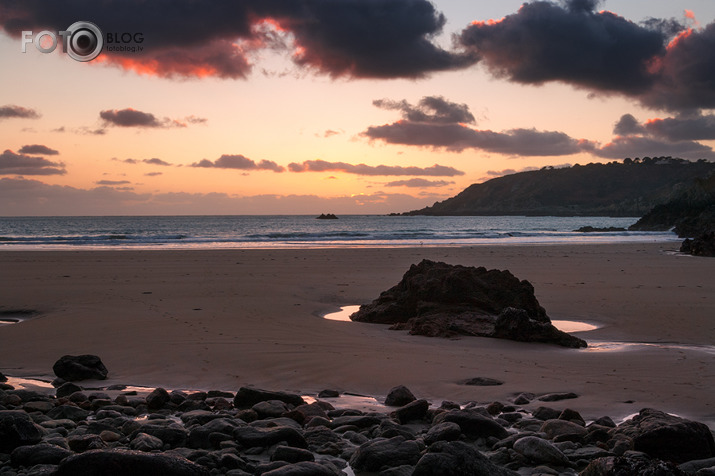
441	300
273	433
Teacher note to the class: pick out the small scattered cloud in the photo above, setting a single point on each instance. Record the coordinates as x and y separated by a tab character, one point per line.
37	149
112	182
155	161
195	120
10	111
239	162
153	174
431	109
419	183
319	165
12	163
133	118
330	133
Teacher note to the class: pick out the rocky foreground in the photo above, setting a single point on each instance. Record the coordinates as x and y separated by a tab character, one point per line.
83	432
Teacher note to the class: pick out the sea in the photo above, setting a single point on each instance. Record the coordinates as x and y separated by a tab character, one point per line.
302	231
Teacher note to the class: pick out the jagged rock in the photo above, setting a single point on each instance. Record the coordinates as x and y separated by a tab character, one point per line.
246	397
399	396
457	459
80	367
127	463
385	453
441	300
667	437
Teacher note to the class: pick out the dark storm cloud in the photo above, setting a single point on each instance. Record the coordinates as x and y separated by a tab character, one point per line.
547	42
37	149
21	164
439	123
686	73
435	109
363	169
132	118
356	38
659	62
11	111
419	183
239	162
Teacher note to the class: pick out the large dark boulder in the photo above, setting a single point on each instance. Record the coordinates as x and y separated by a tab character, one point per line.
441	300
43	453
17	429
246	397
127	463
80	367
456	459
667	437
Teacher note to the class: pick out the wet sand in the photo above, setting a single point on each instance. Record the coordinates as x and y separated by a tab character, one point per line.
221	319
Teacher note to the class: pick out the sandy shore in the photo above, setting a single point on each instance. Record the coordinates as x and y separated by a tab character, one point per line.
229	318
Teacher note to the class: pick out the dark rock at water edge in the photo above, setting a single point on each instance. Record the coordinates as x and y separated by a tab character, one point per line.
701	245
326	216
80	367
441	300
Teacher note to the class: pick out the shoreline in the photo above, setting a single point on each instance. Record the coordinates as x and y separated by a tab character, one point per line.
223	319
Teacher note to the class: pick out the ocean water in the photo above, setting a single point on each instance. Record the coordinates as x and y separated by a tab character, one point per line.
300	231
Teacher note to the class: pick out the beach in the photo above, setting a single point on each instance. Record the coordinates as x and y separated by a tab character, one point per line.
222	319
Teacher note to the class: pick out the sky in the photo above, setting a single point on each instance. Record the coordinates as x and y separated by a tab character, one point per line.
340	106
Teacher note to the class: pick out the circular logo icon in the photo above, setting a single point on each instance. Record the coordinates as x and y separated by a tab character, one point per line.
85	41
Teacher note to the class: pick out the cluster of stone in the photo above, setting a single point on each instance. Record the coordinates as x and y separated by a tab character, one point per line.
83	432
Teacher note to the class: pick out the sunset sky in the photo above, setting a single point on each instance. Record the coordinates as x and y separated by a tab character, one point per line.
343	106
